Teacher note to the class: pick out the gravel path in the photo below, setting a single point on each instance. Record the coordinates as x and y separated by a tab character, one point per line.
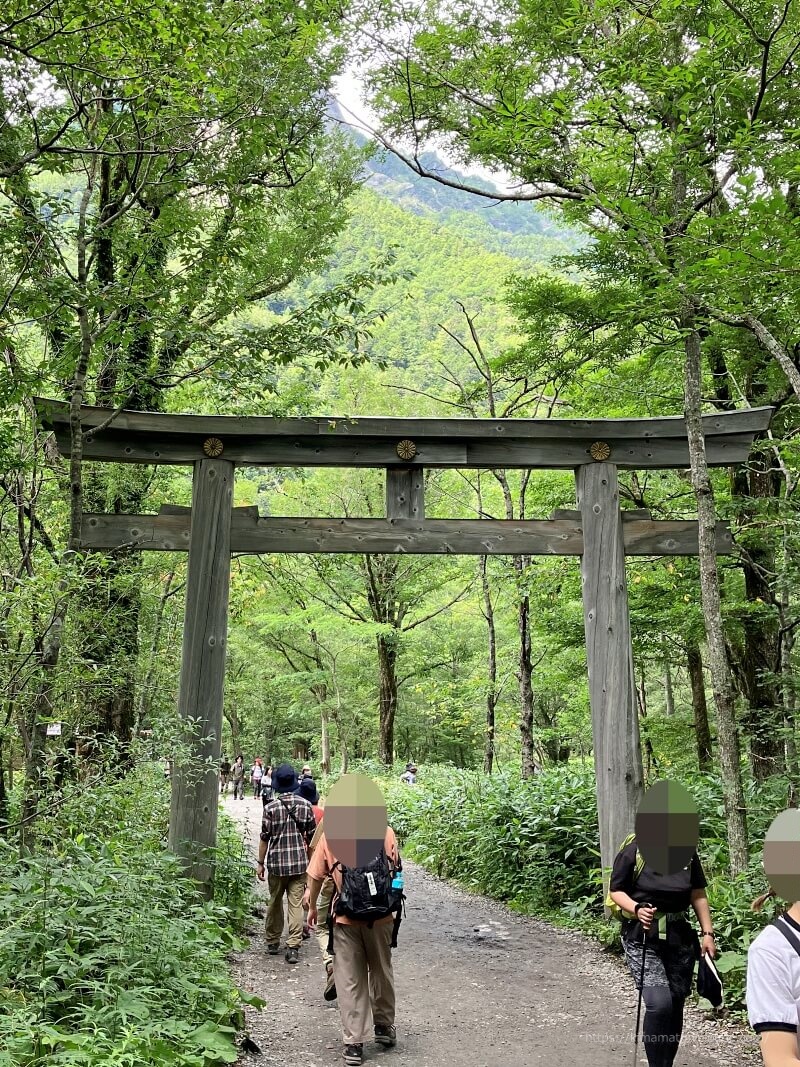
476	985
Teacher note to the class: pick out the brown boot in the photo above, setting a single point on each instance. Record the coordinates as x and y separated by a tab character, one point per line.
330	985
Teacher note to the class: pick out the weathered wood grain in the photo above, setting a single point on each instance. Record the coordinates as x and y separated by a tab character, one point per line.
405	493
513	453
612	689
170	533
193	814
749	420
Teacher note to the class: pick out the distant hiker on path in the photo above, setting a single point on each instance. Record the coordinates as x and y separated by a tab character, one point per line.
266	785
256	777
359	851
238	778
286	831
224	774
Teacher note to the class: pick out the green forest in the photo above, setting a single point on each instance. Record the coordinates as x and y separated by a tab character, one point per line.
189	224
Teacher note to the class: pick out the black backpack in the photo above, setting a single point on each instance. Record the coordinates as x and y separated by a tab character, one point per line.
368	894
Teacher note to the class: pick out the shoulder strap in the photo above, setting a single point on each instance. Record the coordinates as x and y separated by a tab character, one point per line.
787	932
303	833
638	866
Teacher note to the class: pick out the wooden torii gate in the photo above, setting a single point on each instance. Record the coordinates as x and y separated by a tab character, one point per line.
599	532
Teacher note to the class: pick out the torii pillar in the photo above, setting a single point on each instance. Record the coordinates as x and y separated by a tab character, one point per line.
609	657
195	775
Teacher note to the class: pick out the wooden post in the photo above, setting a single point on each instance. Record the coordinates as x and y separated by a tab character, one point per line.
195	789
405	493
612	687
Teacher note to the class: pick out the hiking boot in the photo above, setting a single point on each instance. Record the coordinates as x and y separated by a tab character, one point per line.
330	985
354	1054
273	950
292	955
386	1036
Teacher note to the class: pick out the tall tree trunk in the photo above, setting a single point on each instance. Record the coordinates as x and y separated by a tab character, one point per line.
145	701
641	700
525	678
759	652
491	681
325	740
387	701
789	719
694	662
3	792
44	701
320	691
727	730
788	681
669	694
236	730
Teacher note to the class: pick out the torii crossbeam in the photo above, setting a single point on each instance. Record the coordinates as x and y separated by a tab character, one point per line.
599	532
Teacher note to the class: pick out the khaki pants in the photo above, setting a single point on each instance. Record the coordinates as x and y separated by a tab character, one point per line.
293	887
323	907
362	967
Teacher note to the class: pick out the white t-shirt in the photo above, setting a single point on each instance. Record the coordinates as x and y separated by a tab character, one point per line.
773	981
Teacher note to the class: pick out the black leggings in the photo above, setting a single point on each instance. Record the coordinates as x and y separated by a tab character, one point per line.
663	1025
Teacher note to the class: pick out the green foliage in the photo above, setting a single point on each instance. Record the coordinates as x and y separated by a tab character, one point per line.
107	959
533	844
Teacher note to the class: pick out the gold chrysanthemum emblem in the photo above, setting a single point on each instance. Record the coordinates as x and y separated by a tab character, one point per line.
213	447
600	451
406	449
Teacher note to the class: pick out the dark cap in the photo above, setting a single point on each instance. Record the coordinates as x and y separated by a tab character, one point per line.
308	790
284	779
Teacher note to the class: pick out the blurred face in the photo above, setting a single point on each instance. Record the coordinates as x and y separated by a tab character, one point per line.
355	820
667	827
782	854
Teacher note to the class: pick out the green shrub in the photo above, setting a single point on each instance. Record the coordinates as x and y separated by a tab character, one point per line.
531	843
106	955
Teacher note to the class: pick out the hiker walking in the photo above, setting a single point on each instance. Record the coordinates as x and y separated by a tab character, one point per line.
659	942
266	785
237	773
256	776
286	830
323	909
358	850
224	774
307	788
773	959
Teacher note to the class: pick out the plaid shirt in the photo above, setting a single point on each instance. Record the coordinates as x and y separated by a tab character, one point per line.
287	840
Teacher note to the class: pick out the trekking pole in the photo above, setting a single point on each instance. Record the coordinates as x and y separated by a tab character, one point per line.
639	1007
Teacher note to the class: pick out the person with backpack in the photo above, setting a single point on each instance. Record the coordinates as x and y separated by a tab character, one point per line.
286	831
359	851
773	958
773	986
658	941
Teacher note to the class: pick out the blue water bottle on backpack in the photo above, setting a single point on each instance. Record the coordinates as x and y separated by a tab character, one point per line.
397	879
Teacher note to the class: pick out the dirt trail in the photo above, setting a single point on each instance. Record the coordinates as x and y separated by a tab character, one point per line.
476	985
